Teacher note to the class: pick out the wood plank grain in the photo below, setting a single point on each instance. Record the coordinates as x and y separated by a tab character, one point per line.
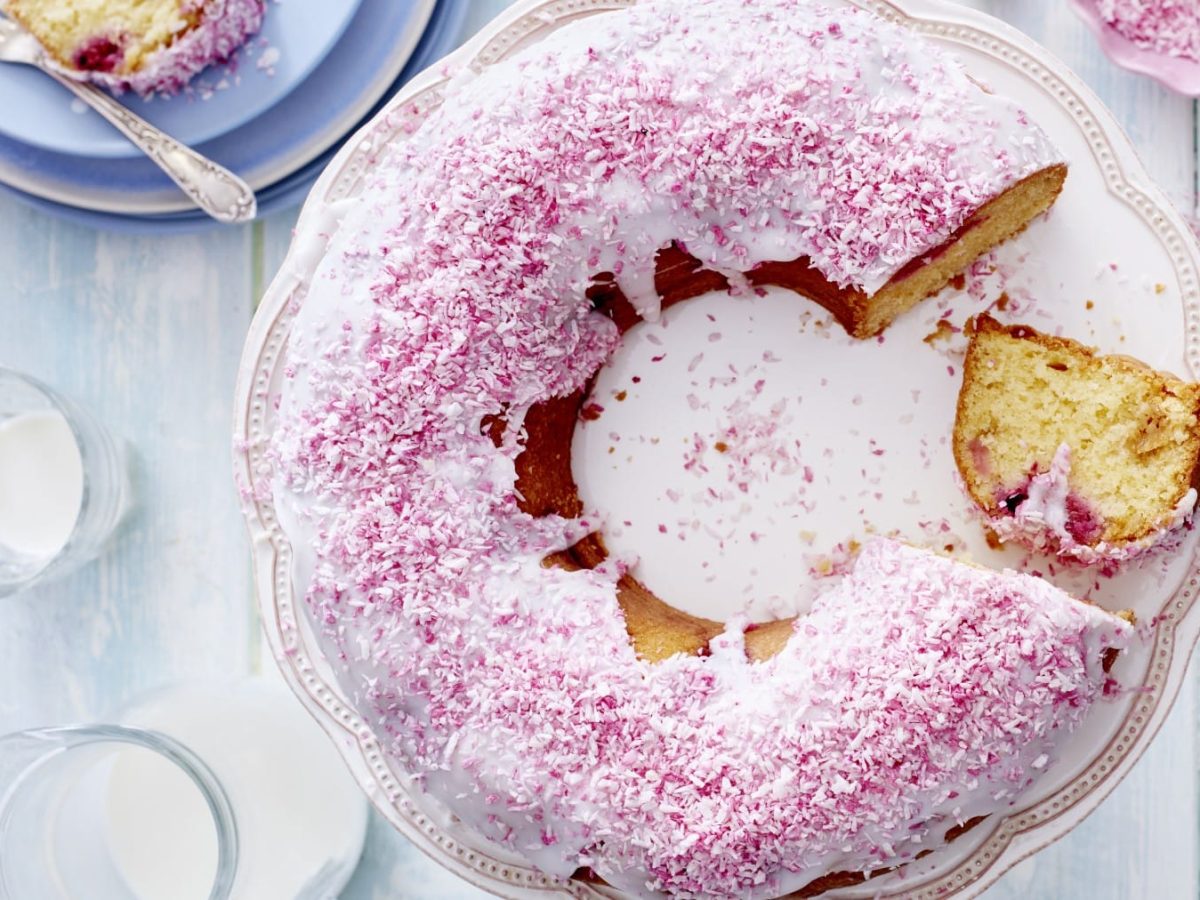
146	332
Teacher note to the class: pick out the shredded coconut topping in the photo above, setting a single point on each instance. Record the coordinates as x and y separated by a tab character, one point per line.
918	693
1171	27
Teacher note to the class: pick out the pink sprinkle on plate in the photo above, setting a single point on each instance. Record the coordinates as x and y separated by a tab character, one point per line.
1179	73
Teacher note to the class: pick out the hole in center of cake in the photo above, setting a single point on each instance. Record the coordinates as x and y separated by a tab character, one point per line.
734	449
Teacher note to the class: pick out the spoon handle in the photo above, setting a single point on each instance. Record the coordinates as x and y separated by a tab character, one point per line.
214	188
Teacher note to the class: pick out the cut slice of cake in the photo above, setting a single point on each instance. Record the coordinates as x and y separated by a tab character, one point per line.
865	311
147	46
1095	458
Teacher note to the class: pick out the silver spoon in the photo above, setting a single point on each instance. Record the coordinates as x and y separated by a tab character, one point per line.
214	188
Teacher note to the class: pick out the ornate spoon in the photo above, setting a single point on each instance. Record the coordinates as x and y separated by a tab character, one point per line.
214	188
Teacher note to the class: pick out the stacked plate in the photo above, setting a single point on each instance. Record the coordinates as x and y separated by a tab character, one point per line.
275	114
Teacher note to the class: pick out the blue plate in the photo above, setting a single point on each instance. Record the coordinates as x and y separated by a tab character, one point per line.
281	152
295	37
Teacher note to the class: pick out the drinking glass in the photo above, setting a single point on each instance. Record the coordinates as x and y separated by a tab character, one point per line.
66	834
104	494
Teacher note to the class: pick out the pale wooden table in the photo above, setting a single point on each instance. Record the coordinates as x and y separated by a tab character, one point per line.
147	331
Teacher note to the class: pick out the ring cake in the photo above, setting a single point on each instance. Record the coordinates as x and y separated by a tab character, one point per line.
1095	458
433	377
146	46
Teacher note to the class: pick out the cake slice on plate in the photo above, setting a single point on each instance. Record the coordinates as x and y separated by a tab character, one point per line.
1095	458
147	46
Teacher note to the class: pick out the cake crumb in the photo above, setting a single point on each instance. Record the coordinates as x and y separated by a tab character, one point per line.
942	331
1160	288
838	562
268	60
1089	305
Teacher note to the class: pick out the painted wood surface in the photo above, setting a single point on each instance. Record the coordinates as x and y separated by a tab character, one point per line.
147	331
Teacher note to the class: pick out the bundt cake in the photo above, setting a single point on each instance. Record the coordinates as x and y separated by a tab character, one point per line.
433	376
147	46
1095	458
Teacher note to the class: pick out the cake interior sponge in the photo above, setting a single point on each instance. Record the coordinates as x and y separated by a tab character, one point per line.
1070	451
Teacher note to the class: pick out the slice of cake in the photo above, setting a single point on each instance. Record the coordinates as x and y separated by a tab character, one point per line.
147	46
1095	458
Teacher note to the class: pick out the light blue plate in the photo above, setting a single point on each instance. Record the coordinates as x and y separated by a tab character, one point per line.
304	122
295	37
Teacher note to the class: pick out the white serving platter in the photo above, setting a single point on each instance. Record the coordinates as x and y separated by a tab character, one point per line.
1113	265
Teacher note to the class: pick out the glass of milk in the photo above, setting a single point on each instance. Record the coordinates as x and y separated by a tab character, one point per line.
63	485
203	792
70	827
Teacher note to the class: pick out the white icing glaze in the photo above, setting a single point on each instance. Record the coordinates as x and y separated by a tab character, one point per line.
1046	504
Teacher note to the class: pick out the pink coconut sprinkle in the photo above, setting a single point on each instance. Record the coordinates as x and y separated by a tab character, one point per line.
1171	27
